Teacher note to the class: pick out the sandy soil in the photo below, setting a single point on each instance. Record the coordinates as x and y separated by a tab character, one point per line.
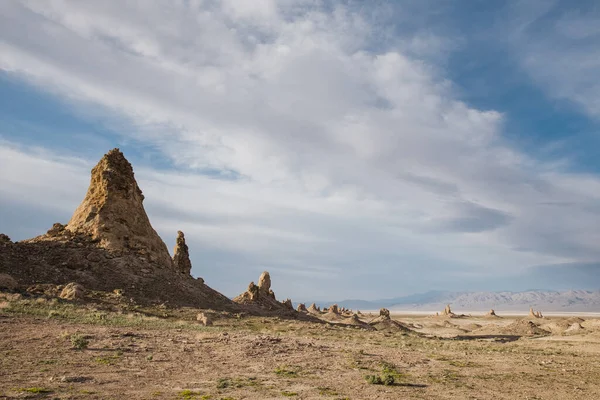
143	355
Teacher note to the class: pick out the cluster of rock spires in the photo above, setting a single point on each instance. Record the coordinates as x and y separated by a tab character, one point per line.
110	246
262	296
535	314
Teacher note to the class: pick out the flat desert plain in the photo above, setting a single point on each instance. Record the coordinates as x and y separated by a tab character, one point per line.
60	350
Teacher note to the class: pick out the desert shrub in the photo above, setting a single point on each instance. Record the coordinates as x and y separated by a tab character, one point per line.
79	342
385	379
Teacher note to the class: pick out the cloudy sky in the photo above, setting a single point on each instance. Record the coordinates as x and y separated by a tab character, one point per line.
355	149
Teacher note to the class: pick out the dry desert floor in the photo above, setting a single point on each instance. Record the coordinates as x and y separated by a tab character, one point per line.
54	349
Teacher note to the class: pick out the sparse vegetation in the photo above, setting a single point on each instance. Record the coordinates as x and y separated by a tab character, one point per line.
288	371
79	342
190	394
35	390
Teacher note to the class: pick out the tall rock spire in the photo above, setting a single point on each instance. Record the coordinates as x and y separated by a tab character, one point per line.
181	255
113	214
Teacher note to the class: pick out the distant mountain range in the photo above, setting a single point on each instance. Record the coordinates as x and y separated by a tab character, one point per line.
567	301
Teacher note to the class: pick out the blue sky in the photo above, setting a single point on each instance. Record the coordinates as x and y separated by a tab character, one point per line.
353	149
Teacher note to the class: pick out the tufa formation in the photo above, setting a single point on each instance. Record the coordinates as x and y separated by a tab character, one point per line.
261	297
181	255
535	314
109	245
112	212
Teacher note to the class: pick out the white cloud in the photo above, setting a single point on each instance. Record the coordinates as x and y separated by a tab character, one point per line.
339	152
559	47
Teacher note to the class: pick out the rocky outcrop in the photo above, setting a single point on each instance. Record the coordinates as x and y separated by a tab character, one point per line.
204	319
301	308
264	282
334	309
491	313
535	314
109	245
4	238
288	304
181	255
385	323
262	297
448	312
313	309
112	212
73	291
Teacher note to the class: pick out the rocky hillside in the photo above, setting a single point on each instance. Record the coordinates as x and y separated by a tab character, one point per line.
109	244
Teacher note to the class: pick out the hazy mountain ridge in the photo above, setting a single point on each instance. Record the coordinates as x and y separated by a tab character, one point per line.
572	300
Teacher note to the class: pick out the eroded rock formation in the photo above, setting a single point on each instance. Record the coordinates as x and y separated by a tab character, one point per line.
112	212
262	296
73	291
204	319
313	309
535	314
334	309
181	255
109	245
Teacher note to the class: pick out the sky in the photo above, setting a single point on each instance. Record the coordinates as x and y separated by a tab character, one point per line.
354	149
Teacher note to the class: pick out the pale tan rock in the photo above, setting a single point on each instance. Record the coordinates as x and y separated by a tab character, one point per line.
313	309
264	282
204	319
73	291
491	313
112	212
301	308
384	313
334	309
535	314
181	255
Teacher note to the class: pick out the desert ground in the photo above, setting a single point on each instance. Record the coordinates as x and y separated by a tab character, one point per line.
59	349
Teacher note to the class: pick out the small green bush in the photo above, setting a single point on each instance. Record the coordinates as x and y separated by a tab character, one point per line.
385	379
79	342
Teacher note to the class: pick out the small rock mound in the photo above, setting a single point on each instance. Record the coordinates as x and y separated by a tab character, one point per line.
181	255
7	282
73	291
385	323
301	308
524	328
354	320
4	238
575	327
334	309
491	313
